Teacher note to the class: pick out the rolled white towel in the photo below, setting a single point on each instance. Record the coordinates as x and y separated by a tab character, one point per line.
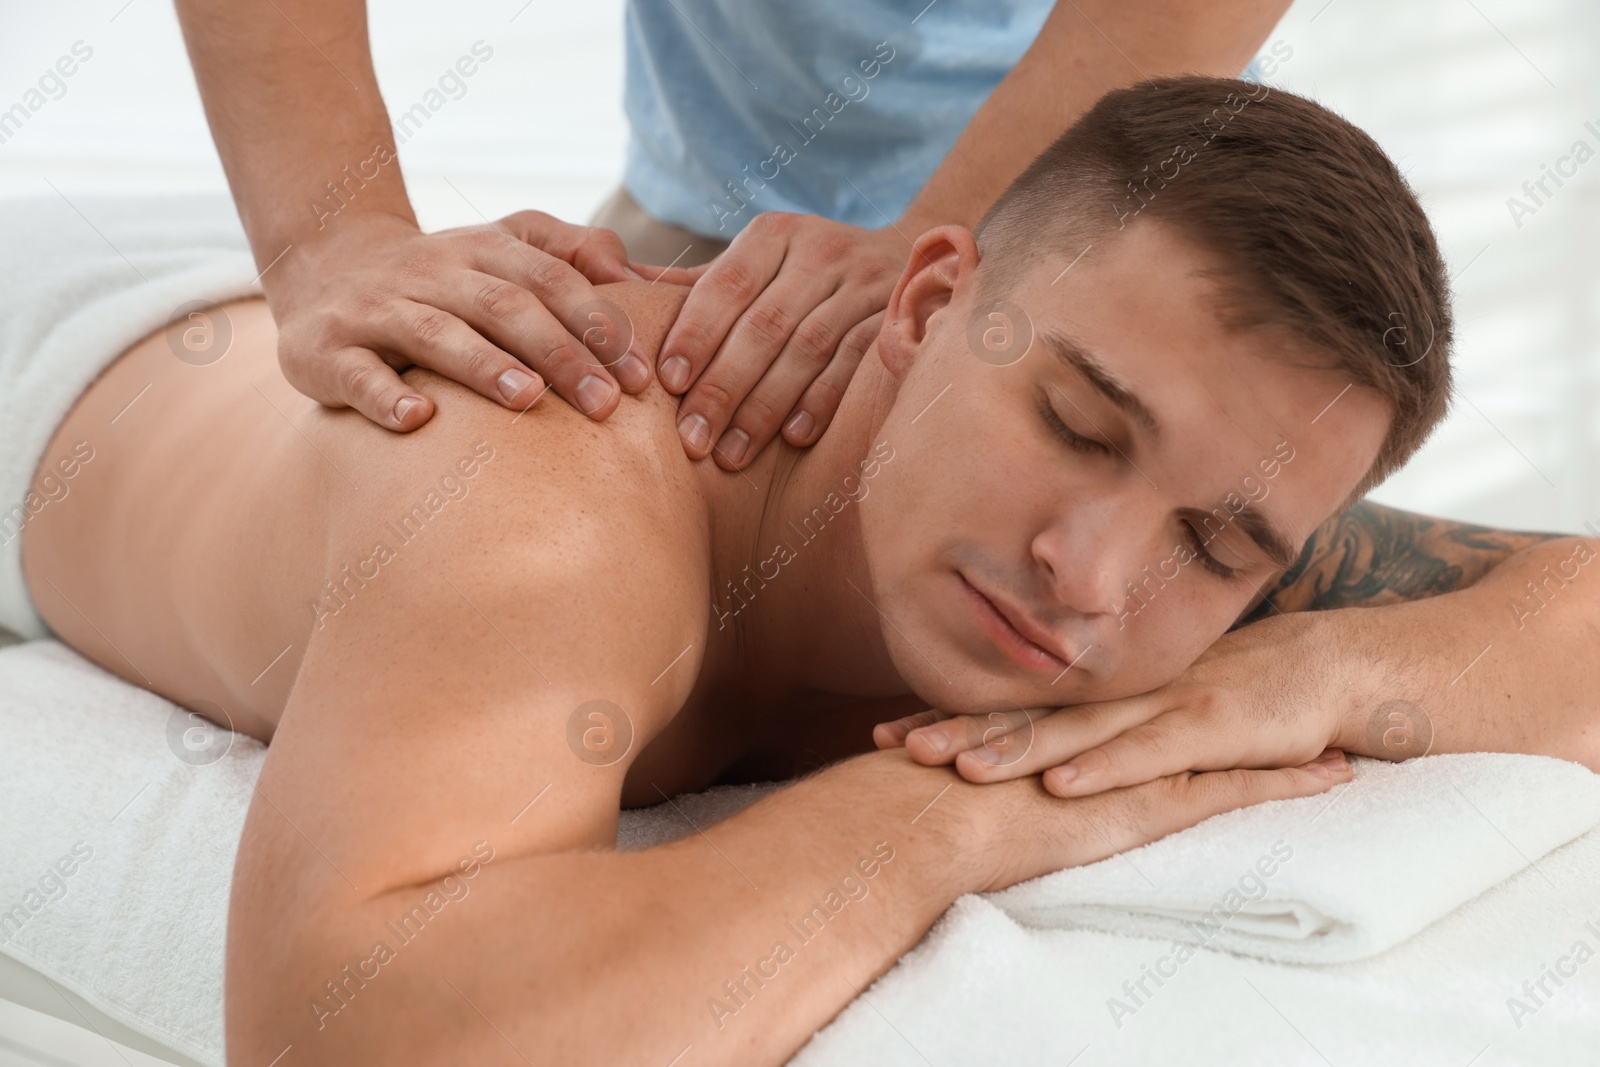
1335	877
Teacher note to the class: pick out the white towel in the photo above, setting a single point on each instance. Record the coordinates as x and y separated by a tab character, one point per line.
117	840
981	989
81	281
134	918
1336	877
86	759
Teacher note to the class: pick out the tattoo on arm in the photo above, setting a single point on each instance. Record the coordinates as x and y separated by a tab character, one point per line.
1371	555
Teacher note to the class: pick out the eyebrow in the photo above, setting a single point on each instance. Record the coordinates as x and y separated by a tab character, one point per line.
1107	384
1267	537
1258	527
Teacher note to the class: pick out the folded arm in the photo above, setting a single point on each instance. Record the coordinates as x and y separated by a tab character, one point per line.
1482	639
1372	555
1484	642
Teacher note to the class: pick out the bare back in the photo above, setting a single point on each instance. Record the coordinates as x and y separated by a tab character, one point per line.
227	523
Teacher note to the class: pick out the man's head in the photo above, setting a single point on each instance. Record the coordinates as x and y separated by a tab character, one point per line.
1258	293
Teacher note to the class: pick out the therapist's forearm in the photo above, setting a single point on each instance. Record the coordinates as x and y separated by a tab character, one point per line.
1084	50
1508	664
292	101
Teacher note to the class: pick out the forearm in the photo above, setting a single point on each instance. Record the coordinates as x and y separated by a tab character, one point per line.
1507	664
1372	555
293	105
1084	50
726	941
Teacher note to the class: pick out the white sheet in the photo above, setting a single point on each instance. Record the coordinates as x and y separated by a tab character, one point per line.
90	761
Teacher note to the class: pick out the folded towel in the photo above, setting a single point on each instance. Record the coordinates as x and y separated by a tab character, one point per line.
1340	876
1509	979
80	282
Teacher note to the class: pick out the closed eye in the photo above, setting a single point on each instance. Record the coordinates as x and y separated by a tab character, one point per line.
1207	560
1071	437
1088	445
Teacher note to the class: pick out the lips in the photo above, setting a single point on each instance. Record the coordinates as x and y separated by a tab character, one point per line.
1017	635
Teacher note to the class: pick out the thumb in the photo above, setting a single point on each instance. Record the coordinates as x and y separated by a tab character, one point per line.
358	378
601	257
671	275
594	251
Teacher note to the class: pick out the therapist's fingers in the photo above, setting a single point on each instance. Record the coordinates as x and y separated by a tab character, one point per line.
433	335
783	296
358	378
764	402
820	402
565	345
730	284
552	319
502	308
595	252
436	338
669	275
559	264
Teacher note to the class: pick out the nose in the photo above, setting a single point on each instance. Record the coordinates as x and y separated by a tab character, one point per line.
1091	556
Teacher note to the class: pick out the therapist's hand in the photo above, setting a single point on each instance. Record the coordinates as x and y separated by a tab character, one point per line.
499	308
1265	695
773	329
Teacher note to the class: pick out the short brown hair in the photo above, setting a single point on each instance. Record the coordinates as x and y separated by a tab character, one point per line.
1316	230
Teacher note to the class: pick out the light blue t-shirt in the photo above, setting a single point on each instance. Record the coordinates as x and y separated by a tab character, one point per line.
840	108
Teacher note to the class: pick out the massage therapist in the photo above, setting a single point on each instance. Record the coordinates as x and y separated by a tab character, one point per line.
782	156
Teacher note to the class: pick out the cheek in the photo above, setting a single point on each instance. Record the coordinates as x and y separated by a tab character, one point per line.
934	495
973	450
898	527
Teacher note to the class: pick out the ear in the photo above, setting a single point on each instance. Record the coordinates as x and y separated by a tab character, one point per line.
943	263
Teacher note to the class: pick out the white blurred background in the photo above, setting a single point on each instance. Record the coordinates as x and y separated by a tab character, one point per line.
1471	97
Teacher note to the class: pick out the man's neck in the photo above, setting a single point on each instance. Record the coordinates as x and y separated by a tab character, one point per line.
792	607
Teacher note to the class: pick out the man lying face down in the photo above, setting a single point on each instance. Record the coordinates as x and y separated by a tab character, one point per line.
1204	293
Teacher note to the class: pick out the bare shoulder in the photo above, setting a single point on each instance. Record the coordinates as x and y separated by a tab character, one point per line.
522	573
541	507
570	465
532	496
